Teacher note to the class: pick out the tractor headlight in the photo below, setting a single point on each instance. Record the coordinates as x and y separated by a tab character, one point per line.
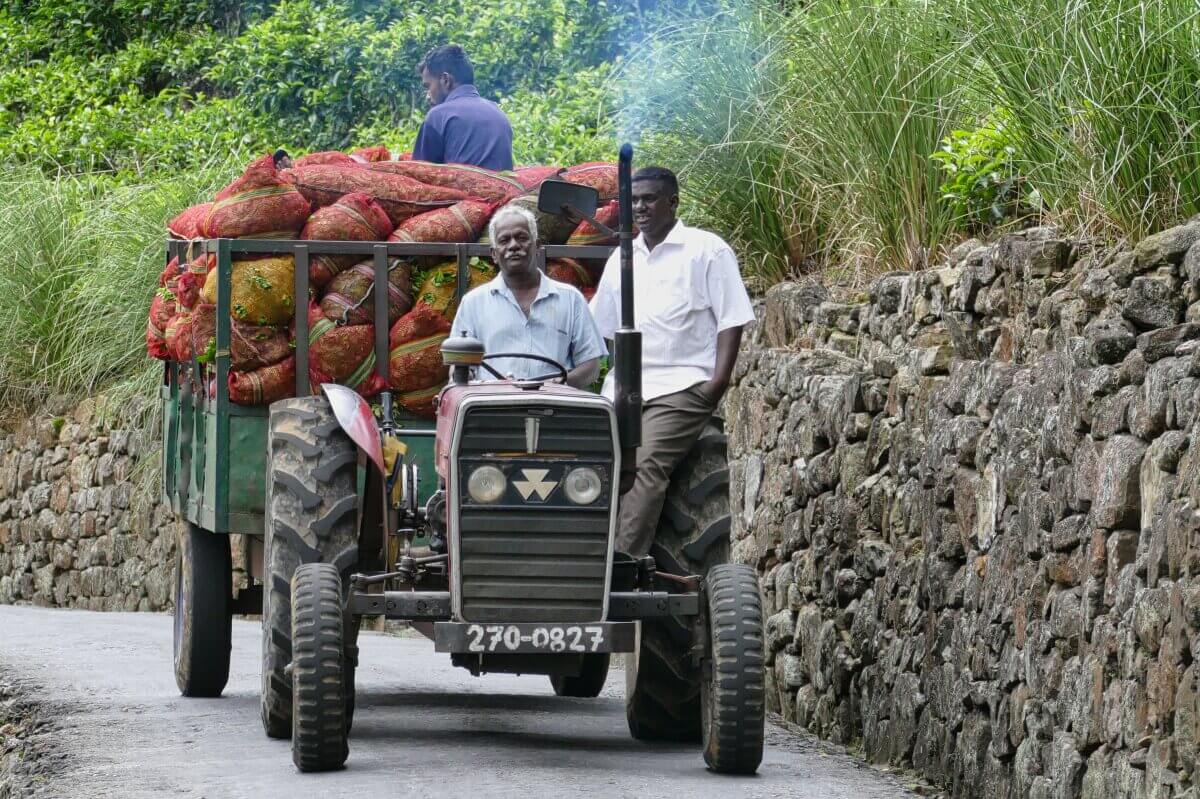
583	485
486	484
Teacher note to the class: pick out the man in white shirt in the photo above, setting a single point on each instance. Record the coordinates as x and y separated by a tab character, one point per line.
690	305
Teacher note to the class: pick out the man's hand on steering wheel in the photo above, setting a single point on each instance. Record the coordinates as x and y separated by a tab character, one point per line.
561	374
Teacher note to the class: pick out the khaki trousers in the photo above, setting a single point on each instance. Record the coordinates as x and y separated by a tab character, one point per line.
670	426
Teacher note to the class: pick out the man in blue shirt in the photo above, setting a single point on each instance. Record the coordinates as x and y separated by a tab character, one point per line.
461	127
524	311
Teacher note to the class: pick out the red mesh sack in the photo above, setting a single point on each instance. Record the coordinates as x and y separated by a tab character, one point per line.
162	311
372	154
260	204
533	176
350	298
187	224
326	157
404	157
569	271
421	403
475	181
461	222
354	217
399	196
186	288
600	175
342	354
587	236
179	337
253	347
263	386
415	358
588	293
204	331
169	271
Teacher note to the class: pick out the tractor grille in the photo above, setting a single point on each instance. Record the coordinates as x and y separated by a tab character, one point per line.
541	560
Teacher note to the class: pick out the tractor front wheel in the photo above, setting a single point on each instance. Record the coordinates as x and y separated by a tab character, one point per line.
203	616
320	727
733	695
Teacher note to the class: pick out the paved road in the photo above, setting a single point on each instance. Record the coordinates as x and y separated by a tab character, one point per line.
423	728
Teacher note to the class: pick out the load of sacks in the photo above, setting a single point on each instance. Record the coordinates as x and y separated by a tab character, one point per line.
362	196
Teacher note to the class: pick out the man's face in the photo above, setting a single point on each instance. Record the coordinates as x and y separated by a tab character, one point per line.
436	86
653	207
513	247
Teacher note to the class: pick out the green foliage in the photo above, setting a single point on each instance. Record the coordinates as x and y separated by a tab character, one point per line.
982	185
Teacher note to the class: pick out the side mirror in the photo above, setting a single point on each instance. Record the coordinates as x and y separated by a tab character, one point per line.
561	198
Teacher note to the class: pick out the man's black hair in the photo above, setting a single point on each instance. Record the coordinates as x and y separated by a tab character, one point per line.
658	173
448	58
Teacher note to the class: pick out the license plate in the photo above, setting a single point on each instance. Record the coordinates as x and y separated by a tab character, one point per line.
564	639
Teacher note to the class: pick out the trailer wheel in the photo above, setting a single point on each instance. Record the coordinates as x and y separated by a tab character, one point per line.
319	725
588	683
203	619
662	679
733	702
311	517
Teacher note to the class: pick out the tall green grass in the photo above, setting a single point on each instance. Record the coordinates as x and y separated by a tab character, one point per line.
806	135
81	260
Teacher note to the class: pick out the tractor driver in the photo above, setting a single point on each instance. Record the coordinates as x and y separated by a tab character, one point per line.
690	305
523	310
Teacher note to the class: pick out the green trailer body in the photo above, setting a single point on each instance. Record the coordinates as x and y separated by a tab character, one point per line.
215	451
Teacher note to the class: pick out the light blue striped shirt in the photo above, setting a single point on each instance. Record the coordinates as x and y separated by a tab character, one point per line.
559	326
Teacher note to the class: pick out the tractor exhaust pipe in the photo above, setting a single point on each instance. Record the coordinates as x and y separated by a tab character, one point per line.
627	342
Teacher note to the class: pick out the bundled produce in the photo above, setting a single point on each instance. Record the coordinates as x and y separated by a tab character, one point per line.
533	176
259	204
476	181
600	175
569	271
586	235
399	196
354	217
372	154
187	224
350	297
415	358
326	157
461	222
263	386
342	354
263	292
439	288
362	196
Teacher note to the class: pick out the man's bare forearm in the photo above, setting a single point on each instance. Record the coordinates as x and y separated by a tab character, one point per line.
584	374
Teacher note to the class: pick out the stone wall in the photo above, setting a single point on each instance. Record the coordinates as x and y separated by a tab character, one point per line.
973	500
71	534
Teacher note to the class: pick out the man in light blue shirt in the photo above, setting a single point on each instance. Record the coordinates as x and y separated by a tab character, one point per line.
524	311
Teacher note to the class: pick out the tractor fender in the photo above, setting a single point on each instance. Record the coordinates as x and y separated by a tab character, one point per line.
354	415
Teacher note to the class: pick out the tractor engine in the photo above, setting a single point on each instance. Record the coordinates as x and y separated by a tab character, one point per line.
529	471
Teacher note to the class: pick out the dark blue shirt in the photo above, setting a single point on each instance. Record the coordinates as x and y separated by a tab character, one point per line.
465	129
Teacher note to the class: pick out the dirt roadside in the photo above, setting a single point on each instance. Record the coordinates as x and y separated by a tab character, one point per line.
27	751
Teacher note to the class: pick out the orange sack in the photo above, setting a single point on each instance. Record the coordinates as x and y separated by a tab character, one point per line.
461	222
600	175
325	157
187	224
569	271
400	196
259	204
342	354
415	359
354	217
476	181
263	386
585	235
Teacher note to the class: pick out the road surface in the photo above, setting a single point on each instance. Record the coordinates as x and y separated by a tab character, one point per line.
422	728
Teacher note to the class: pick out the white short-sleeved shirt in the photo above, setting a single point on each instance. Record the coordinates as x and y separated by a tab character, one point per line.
685	292
558	327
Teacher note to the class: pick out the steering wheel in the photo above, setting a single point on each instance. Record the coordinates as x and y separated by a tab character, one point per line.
562	370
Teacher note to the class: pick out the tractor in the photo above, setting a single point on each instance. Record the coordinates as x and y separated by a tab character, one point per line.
490	531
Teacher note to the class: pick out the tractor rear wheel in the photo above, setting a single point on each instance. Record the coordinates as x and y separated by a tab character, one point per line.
311	517
588	683
733	699
319	725
662	678
203	616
